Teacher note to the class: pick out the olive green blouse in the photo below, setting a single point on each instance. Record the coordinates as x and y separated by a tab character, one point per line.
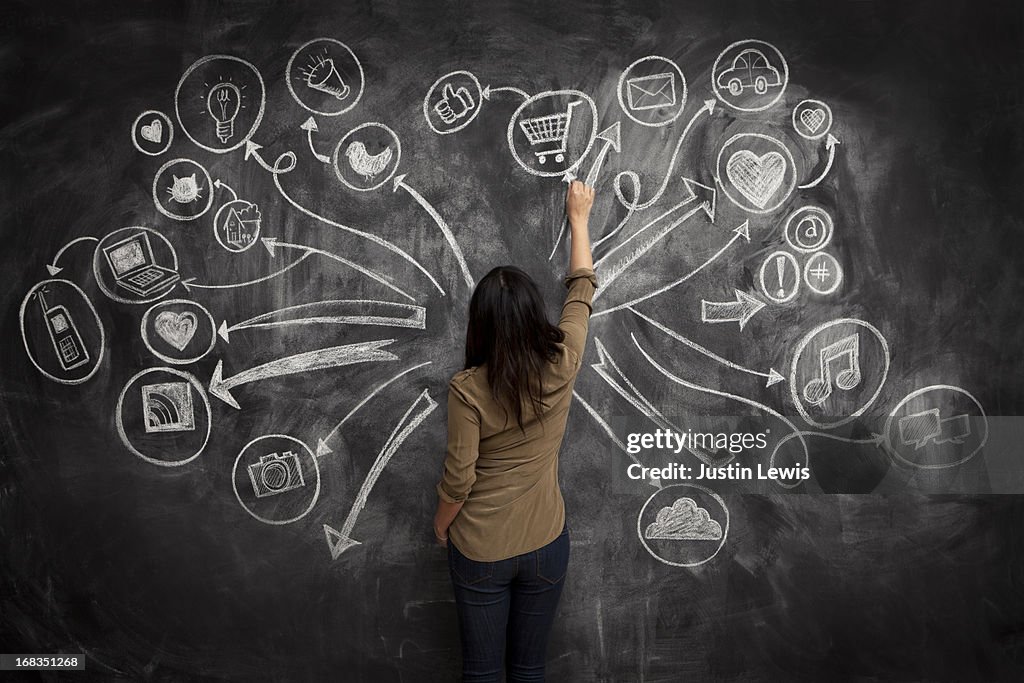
508	480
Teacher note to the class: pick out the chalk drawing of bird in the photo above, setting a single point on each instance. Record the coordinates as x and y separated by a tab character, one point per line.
364	163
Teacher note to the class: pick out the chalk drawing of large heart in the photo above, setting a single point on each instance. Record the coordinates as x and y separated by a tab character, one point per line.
812	119
154	132
177	329
757	177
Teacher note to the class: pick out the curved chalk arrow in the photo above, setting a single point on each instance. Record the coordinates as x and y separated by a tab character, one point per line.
252	152
380	241
723	394
742	231
271	243
220	184
52	266
191	282
611	435
331	357
488	90
772	376
830	144
449	236
309	125
740	310
612	136
340	541
346	312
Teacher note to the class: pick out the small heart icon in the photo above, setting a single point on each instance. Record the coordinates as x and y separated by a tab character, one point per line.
153	131
812	119
757	177
177	329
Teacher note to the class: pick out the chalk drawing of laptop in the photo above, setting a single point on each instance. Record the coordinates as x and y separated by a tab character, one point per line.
131	260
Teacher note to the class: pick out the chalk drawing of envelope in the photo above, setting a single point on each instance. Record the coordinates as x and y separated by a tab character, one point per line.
651	92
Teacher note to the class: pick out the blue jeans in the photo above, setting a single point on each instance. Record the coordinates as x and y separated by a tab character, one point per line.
506	609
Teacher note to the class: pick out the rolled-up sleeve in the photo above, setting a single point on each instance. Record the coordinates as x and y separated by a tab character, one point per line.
463	447
576	310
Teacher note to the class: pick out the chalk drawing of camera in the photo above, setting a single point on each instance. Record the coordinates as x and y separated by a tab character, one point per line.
275	474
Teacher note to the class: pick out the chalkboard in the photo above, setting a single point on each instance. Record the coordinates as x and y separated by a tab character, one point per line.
239	241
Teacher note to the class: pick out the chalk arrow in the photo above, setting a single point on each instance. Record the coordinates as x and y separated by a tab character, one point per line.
334	312
449	236
191	283
653	481
331	357
629	251
488	90
272	244
52	266
612	141
743	231
252	152
741	310
218	183
310	127
830	145
772	376
340	541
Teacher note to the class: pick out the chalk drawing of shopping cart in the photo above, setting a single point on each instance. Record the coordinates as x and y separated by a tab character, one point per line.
551	128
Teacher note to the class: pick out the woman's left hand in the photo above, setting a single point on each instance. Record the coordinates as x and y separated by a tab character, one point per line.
441	540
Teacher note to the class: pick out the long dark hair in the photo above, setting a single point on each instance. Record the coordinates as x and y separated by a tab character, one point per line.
510	334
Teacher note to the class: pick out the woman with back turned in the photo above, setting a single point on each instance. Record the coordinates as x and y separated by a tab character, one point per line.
500	511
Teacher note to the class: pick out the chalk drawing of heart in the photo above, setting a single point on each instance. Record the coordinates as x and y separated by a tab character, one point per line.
177	329
757	177
154	132
812	119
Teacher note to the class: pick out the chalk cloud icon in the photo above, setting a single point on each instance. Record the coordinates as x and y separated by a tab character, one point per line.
684	521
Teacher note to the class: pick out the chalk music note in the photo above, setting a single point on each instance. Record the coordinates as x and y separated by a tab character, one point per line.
847	351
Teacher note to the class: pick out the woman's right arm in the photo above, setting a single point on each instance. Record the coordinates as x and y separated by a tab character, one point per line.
578	203
581	280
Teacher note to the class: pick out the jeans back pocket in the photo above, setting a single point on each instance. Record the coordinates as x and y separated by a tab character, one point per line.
553	559
468	572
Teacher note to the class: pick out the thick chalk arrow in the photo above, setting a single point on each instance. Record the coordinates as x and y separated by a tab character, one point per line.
220	184
743	231
52	266
340	541
252	152
449	236
612	141
830	145
380	241
272	243
772	376
322	448
331	357
740	310
191	282
634	177
338	312
488	90
628	252
653	481
309	125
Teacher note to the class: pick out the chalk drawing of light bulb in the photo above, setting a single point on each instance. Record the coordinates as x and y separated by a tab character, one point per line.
223	103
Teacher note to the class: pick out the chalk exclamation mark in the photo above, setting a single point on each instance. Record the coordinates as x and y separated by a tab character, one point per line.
780	268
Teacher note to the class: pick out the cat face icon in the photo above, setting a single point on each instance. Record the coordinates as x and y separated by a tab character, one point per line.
185	190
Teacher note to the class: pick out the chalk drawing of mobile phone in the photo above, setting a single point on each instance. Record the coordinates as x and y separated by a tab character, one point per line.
67	342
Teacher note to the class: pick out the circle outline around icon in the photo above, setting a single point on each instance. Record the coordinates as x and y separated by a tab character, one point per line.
681	97
835	263
724	183
470	118
92	309
259	115
169	127
794	391
295	96
511	131
156	188
233	203
895	450
119	420
752	41
702	489
336	157
793	240
97	257
824	130
170	359
316	491
796	270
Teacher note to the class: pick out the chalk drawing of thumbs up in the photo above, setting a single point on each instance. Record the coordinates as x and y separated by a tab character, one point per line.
454	104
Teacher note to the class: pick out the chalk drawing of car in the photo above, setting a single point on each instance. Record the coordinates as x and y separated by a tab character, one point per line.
750	69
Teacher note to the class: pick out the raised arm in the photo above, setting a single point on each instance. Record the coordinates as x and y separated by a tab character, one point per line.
581	280
578	202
